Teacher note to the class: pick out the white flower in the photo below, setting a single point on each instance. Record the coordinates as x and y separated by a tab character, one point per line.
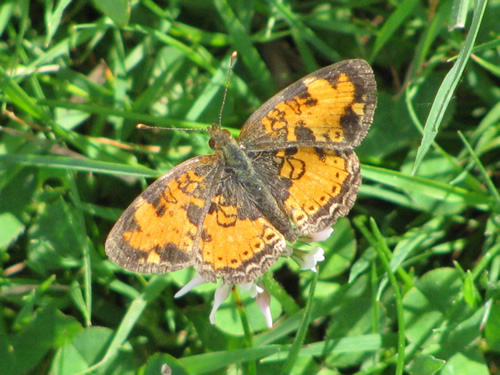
320	236
307	260
222	293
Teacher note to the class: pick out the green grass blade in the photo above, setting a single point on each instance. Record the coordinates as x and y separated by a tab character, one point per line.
82	165
382	249
392	24
427	187
447	88
247	52
458	16
305	32
129	321
301	333
489	184
210	362
53	19
18	97
117	10
84	245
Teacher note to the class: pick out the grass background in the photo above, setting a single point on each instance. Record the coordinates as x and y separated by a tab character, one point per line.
411	279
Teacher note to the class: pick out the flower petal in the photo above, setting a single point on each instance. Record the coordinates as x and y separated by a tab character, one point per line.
318	255
287	252
197	280
322	235
252	288
221	294
307	260
264	303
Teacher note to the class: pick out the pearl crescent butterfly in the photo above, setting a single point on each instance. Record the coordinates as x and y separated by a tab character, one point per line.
291	172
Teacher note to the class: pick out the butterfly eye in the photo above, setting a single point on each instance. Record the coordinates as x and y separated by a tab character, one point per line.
211	143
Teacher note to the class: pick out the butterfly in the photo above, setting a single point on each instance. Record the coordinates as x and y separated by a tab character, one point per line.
291	172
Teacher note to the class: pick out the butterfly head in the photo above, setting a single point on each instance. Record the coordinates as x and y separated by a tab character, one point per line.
219	137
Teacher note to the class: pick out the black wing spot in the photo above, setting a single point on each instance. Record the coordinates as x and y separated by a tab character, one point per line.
270	236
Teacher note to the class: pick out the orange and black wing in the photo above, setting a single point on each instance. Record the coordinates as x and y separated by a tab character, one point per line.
314	186
330	108
158	231
196	215
237	243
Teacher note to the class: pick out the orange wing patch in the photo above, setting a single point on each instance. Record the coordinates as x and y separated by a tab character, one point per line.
163	223
315	116
323	185
235	245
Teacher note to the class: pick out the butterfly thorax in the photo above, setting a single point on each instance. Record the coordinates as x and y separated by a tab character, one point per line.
239	166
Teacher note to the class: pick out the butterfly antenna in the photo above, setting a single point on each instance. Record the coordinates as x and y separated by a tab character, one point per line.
234	55
158	128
